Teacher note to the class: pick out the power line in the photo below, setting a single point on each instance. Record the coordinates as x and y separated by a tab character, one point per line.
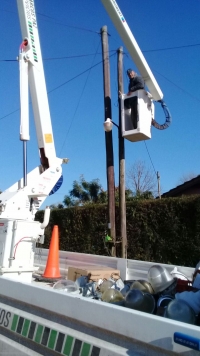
113	50
3	117
150	158
58	58
59	23
61	85
78	102
171	48
77	56
177	86
71	26
8	60
78	75
97	32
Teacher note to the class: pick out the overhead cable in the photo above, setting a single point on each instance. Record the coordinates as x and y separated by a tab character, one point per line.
59	86
78	102
150	158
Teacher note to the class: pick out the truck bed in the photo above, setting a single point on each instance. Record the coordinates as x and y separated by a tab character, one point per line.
39	318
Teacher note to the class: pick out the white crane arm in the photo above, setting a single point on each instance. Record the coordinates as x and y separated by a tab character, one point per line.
127	37
23	199
37	84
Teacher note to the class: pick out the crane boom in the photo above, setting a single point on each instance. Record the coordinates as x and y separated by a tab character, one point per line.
20	202
133	48
37	84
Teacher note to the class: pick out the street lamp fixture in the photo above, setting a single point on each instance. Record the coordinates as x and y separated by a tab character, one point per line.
108	124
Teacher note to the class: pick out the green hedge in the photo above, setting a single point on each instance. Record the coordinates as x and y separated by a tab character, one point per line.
165	230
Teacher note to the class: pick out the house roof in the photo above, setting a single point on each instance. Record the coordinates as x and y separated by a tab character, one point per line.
180	189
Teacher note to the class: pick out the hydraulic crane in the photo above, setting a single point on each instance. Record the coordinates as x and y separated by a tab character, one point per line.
19	203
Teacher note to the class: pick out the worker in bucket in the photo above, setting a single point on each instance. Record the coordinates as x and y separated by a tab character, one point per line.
135	83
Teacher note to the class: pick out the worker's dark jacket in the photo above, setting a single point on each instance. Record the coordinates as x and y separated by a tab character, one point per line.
136	84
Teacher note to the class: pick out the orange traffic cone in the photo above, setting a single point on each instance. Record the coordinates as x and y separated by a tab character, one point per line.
52	270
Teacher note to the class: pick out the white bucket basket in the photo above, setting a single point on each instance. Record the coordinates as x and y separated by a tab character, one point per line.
137	112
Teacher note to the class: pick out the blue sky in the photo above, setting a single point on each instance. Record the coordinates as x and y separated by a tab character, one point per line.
168	34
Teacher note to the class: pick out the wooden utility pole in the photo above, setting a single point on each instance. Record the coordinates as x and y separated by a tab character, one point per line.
108	139
122	198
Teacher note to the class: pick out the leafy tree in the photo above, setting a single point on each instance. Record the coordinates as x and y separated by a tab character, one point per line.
60	206
144	195
84	192
57	206
129	196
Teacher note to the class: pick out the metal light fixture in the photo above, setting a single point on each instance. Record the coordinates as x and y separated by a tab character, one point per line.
108	124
